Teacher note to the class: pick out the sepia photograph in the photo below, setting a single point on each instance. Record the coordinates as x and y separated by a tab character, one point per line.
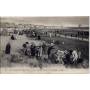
44	45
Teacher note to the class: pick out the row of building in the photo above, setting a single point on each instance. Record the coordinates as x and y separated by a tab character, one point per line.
10	28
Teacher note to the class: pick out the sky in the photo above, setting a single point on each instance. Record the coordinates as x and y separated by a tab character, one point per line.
49	21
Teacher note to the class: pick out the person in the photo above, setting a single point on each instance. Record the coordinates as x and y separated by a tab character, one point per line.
37	52
50	35
32	49
53	57
8	52
68	57
74	55
71	56
50	48
79	59
25	47
60	55
40	49
39	37
35	34
12	37
44	48
8	48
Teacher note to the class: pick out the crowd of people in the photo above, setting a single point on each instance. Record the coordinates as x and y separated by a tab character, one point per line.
52	53
32	50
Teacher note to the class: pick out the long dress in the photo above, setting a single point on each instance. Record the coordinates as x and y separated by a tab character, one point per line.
8	49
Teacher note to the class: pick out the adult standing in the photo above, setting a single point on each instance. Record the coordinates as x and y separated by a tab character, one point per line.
75	55
33	49
8	49
50	48
44	47
7	56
